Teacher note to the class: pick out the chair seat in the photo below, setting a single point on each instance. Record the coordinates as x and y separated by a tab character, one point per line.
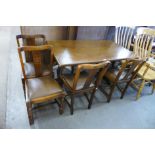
112	74
41	87
150	74
30	70
68	80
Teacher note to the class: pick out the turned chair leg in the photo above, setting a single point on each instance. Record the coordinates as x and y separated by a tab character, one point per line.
91	99
72	105
23	84
72	69
140	89
30	114
123	93
153	87
61	106
59	75
111	92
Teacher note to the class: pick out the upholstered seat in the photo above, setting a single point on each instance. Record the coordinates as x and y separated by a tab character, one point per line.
43	87
111	75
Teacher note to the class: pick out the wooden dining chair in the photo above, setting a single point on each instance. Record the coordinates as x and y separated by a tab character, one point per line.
42	87
33	40
142	49
84	82
123	76
123	36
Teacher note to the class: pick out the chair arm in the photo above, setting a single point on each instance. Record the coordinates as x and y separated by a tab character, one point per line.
148	66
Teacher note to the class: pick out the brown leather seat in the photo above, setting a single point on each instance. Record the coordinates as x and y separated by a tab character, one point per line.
41	87
111	75
30	69
81	81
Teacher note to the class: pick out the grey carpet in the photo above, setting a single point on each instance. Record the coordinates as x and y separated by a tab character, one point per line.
5	36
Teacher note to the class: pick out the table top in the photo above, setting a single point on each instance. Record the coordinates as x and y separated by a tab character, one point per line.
73	52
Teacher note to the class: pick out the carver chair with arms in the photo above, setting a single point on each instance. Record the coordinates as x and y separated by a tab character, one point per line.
142	49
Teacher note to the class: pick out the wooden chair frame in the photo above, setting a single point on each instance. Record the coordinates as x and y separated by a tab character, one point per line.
30	41
142	49
37	63
131	72
96	71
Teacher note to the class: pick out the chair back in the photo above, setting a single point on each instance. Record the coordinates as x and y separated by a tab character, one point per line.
95	74
143	42
129	69
37	55
30	40
123	36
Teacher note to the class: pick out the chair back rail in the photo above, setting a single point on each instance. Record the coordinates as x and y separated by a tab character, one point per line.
123	36
37	53
143	43
30	40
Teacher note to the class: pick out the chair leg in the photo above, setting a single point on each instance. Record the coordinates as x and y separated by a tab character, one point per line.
140	89
91	99
123	93
111	92
153	87
30	114
72	105
61	106
72	69
58	76
23	84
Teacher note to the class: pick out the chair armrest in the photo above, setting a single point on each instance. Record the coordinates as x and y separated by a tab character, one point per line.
151	66
148	66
